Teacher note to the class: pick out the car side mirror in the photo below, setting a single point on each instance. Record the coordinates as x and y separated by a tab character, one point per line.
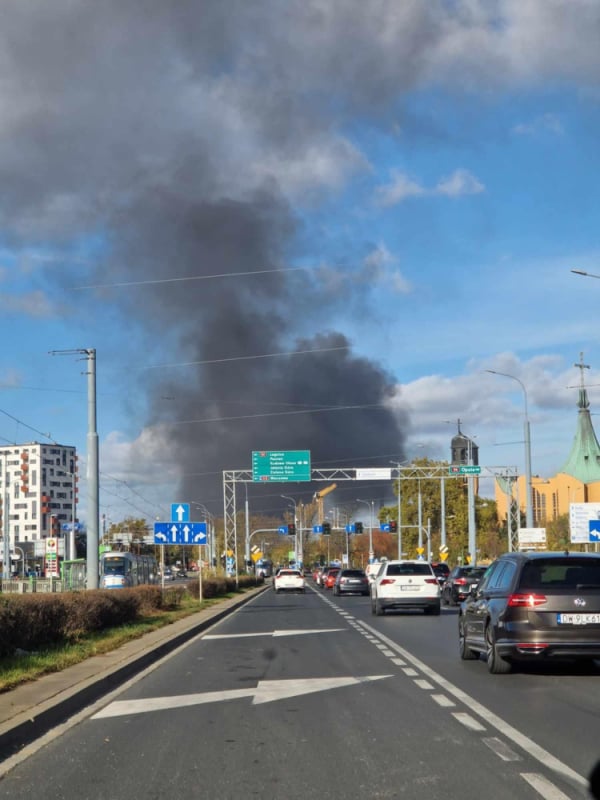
595	781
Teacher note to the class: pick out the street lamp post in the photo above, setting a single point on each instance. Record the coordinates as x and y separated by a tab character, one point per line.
527	438
370	505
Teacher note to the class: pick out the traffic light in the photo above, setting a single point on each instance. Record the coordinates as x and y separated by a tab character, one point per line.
393	526
292	529
359	527
326	528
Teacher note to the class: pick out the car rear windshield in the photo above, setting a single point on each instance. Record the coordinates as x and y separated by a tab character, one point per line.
409	569
353	573
561	573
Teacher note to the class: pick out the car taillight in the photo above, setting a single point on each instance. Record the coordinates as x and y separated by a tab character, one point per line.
431	580
386	581
526	600
460	581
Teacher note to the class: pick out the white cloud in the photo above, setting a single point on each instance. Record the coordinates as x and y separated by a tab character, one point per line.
398	190
460	182
379	265
546	123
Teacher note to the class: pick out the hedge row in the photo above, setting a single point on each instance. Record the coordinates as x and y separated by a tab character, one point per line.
34	621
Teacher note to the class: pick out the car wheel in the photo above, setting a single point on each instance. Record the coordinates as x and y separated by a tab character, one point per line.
379	609
466	653
496	664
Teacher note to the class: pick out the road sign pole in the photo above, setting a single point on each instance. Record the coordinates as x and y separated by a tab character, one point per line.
200	573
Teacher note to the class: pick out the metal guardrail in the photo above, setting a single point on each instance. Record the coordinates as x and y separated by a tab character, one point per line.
36	586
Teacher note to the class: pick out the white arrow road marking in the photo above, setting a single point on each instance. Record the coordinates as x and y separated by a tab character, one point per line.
265	692
298	632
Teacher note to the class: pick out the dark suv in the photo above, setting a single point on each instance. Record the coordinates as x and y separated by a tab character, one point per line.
533	607
459	582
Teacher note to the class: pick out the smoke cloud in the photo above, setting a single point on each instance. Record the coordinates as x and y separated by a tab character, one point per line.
143	142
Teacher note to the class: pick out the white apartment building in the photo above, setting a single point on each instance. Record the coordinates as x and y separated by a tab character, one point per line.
38	490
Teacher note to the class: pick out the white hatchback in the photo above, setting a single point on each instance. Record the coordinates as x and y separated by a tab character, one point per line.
405	584
289	580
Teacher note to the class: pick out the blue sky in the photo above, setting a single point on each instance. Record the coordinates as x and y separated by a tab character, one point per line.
432	167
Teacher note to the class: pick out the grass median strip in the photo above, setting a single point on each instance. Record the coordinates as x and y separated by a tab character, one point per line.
28	666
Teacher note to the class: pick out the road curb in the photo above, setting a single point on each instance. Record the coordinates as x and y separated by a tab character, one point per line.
31	710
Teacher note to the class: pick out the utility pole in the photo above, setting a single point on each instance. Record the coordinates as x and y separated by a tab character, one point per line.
93	468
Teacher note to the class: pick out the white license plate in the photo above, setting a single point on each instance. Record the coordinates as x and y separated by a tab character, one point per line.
578	619
409	588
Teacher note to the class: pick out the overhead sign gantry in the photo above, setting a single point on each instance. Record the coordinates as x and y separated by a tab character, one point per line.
289	460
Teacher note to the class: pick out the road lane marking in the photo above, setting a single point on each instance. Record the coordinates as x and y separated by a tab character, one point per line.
443	701
468	721
423	684
263	692
544	787
501	749
275	634
493	720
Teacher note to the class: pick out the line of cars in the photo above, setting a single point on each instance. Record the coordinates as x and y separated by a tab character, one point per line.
525	607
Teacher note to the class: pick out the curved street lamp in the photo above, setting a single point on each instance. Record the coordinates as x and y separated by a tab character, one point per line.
527	437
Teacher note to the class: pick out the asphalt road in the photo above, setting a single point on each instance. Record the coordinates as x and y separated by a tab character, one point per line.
306	696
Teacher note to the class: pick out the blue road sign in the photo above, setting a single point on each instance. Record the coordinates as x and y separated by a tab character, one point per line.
385	527
595	530
180	533
351	528
180	512
317	529
67	526
282	529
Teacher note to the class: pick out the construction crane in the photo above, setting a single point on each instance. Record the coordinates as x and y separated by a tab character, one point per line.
318	496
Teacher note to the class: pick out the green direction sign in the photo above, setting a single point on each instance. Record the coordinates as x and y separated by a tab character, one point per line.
464	469
281	466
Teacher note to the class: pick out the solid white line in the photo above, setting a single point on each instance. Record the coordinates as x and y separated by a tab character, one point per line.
468	721
524	742
544	787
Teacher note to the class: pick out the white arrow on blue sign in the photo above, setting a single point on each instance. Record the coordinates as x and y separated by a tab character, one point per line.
594	530
180	512
180	533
